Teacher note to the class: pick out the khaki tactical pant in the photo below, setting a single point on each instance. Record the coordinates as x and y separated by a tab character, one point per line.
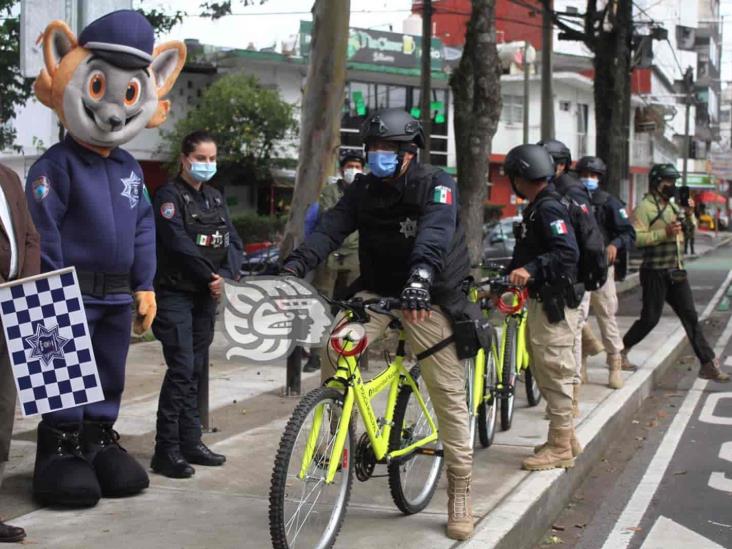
553	358
604	302
443	373
583	312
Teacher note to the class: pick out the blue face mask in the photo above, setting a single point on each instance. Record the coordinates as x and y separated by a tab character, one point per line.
202	171
383	163
590	184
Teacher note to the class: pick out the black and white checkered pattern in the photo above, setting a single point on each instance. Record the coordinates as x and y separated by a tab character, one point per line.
52	300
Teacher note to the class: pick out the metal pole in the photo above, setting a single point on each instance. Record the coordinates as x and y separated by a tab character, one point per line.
689	84
294	369
547	91
426	75
526	93
203	394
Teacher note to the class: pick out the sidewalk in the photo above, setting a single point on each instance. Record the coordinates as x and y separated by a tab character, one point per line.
227	506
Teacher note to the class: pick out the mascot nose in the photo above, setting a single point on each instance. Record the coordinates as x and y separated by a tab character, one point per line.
115	122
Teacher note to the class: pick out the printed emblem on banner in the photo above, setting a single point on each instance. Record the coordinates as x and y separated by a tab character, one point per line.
167	210
559	227
442	195
40	188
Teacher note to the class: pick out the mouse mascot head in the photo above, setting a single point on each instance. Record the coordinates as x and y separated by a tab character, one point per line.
86	196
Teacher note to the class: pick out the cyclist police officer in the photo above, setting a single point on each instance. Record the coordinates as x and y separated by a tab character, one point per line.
619	235
546	260
411	245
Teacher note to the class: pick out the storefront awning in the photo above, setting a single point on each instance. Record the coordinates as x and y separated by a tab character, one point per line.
710	197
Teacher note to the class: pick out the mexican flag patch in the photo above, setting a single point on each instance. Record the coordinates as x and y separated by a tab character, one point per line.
559	227
623	213
442	195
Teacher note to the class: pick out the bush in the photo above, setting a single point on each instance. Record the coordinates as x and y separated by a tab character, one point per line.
253	227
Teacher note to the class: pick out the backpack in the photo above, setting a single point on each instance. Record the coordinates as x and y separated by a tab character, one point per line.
592	267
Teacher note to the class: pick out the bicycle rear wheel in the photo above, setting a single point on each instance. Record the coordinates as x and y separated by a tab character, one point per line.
413	479
306	512
470	390
487	411
533	395
509	374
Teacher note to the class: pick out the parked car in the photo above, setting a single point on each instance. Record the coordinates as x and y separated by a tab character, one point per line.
261	258
499	241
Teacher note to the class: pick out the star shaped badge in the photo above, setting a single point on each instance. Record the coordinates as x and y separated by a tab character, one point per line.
46	344
408	228
132	188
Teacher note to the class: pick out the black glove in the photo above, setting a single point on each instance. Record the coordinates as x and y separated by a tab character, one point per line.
416	294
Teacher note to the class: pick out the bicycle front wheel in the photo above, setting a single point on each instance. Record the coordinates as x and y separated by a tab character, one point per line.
487	411
509	374
412	480
304	510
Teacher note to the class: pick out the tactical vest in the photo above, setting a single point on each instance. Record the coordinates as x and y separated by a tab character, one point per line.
208	230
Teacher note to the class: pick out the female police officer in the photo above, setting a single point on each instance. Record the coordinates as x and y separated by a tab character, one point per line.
197	248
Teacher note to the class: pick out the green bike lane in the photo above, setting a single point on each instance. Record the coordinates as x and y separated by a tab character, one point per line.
227	506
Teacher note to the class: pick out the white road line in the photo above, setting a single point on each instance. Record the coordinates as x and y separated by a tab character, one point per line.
634	511
728	361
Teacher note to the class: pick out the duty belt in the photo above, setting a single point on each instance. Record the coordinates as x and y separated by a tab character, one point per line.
99	285
216	240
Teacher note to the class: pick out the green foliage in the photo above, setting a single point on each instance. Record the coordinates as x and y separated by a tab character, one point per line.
252	227
162	22
217	10
14	89
246	120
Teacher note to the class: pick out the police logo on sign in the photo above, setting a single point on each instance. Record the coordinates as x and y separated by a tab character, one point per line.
167	210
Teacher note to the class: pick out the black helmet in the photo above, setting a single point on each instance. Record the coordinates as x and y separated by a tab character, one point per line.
558	151
662	171
347	154
593	164
392	125
531	162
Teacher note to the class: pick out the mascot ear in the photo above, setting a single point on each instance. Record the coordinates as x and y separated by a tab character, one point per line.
58	41
168	61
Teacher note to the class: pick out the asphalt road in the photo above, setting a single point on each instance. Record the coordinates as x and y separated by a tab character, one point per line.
666	481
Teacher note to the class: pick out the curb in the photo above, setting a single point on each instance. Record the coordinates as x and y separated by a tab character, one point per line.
523	516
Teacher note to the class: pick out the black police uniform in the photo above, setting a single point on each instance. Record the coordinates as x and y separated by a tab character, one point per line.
615	225
569	186
402	226
195	238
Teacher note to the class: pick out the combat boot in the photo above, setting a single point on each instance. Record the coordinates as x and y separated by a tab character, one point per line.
459	506
626	364
591	346
574	443
615	378
556	453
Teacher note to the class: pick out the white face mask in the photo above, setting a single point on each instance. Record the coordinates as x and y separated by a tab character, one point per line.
350	174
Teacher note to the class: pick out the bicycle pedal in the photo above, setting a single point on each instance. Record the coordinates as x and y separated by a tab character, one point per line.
430	452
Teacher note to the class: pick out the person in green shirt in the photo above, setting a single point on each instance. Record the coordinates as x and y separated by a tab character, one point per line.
658	223
333	277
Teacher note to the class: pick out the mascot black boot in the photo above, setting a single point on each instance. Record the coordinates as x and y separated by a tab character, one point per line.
62	475
118	473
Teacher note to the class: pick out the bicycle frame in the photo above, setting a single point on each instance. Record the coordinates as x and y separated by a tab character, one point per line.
362	393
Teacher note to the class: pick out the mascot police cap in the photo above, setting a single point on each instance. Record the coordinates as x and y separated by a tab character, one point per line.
108	85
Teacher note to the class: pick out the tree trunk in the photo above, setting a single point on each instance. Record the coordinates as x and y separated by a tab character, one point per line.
476	86
321	111
612	87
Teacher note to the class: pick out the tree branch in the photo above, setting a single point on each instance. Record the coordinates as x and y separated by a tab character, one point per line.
572	33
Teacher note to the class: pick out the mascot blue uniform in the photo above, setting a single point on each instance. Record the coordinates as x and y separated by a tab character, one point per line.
88	201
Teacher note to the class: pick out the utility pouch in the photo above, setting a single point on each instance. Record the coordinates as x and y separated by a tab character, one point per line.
677	275
552	303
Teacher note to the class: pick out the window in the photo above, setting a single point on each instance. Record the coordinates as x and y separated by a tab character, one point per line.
565	106
512	111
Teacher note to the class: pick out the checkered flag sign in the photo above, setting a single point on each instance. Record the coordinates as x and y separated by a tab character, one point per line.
48	342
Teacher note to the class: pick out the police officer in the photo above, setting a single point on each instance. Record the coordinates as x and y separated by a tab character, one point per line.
341	268
619	235
546	259
197	248
411	245
662	275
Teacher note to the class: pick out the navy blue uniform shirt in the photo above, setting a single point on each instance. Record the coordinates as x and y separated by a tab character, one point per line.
613	220
93	213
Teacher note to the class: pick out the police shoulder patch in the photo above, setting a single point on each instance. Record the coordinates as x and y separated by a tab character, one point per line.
558	227
167	210
623	213
40	187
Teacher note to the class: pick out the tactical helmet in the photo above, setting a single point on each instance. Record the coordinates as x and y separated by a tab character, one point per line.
558	151
592	164
347	154
531	162
392	125
660	172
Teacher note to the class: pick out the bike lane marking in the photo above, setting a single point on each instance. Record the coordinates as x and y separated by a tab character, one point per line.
630	518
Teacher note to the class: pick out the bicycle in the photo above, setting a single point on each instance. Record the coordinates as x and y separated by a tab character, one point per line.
318	453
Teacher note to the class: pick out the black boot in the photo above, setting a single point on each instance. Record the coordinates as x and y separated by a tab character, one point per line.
171	463
62	475
118	473
313	363
200	454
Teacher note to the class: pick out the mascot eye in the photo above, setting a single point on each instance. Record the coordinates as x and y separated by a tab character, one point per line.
97	85
133	92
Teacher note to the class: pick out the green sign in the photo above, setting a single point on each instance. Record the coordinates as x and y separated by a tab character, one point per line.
699	181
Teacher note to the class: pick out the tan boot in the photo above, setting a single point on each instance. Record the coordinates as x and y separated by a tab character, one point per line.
459	506
575	400
615	378
557	452
591	346
574	443
626	365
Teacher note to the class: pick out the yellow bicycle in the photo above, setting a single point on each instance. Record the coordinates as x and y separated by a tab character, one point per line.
318	452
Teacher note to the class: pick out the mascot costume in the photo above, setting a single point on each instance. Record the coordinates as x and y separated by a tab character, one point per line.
88	201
